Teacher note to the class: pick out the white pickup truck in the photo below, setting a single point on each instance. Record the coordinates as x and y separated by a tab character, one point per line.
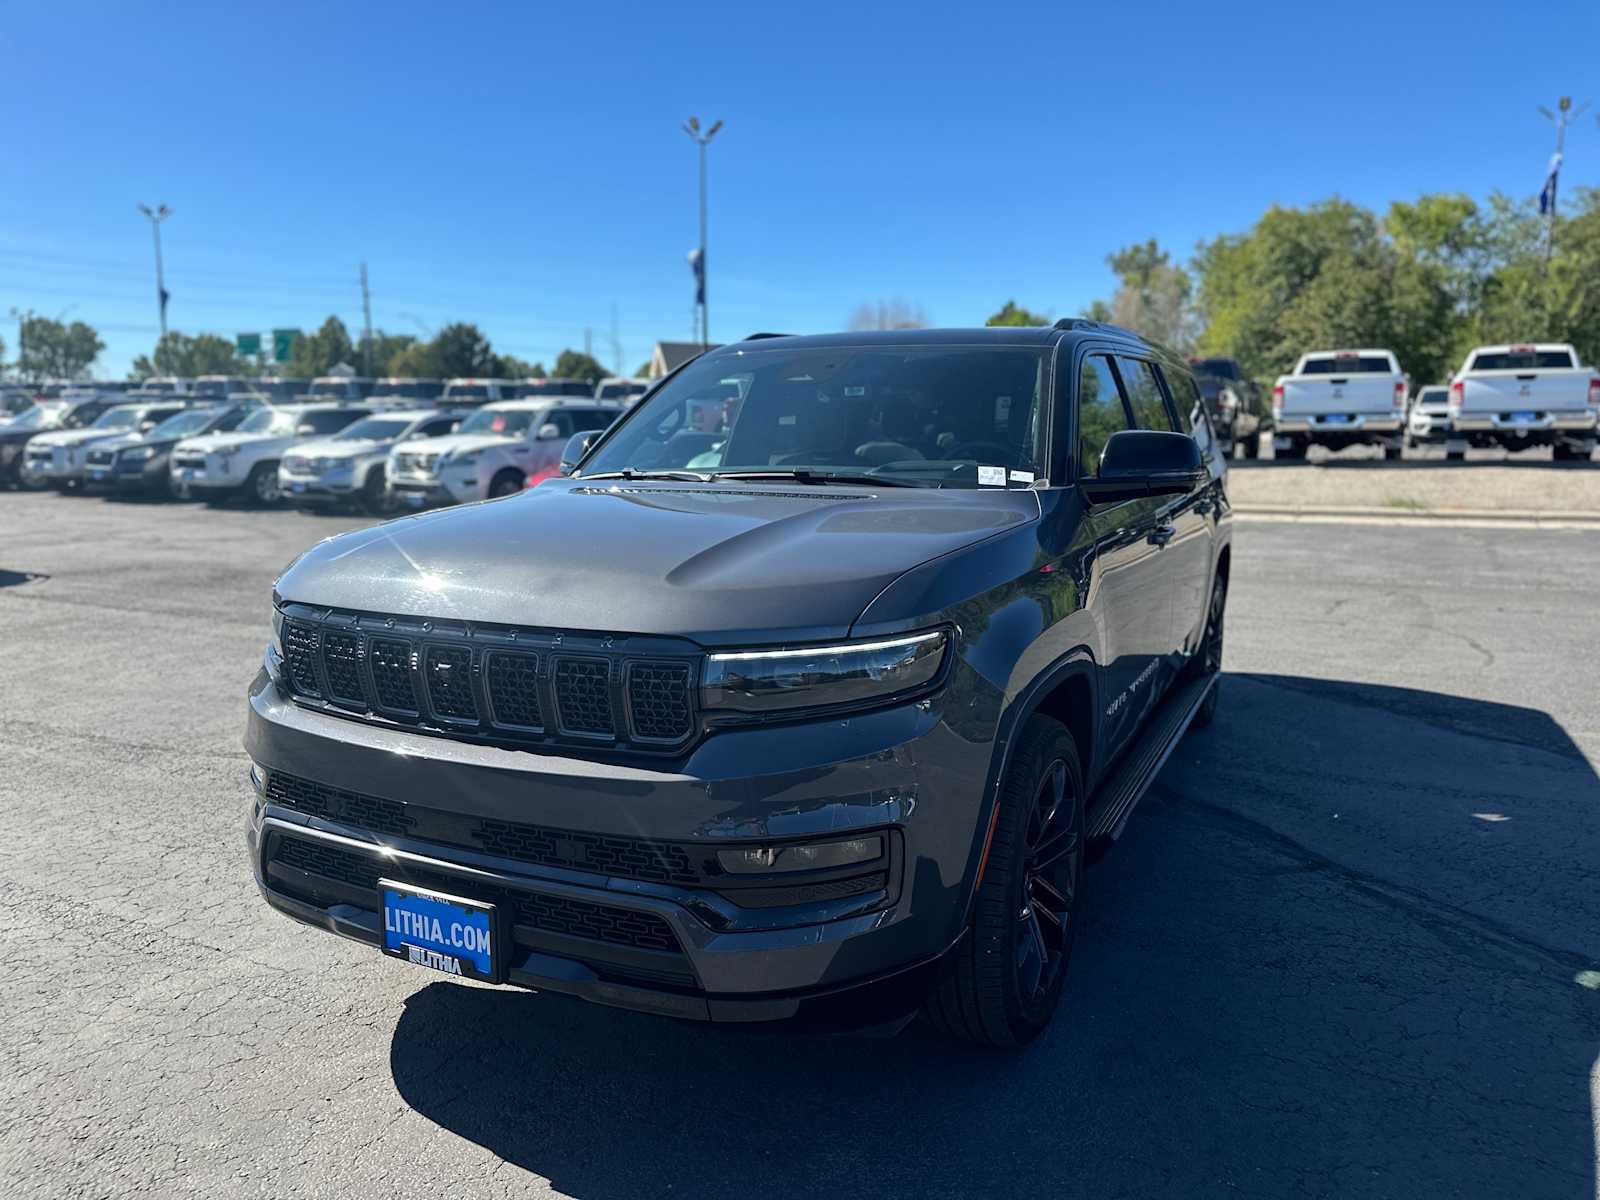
1535	394
1339	398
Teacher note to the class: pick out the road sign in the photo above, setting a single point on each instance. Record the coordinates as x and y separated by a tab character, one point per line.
283	341
249	345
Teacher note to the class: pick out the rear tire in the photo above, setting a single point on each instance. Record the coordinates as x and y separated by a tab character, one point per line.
1455	456
1208	659
1252	446
1001	985
1292	454
1391	453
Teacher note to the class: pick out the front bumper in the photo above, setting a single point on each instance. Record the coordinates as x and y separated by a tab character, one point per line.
208	476
328	487
58	469
901	772
424	491
127	478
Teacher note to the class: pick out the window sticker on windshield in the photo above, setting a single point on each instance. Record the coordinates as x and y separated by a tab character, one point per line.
1022	477
1002	411
991	477
855	391
498	424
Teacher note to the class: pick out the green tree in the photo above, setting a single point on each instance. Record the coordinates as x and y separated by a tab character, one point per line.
385	347
576	365
509	366
318	353
461	349
1153	295
1011	314
180	354
52	350
643	371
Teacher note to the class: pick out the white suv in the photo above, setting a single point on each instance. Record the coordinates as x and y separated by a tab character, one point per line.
60	459
350	466
245	462
493	452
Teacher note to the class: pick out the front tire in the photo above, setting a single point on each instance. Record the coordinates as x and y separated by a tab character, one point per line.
1001	985
507	483
262	485
375	495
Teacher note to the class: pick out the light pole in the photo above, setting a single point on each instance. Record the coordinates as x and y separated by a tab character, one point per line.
692	128
157	215
21	316
1560	122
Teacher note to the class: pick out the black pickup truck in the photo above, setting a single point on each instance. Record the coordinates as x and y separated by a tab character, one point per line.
803	703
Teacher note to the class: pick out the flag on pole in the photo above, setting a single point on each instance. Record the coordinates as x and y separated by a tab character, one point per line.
1547	194
697	264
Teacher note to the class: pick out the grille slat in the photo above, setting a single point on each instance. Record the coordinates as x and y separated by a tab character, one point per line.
513	681
300	645
341	660
583	696
449	674
391	663
658	700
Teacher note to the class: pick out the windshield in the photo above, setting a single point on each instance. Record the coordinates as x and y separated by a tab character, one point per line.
614	391
930	415
268	420
555	387
466	391
33	417
509	423
377	429
118	418
183	424
411	389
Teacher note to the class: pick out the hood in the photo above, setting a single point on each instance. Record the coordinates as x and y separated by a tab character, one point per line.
76	437
453	443
210	441
348	448
719	564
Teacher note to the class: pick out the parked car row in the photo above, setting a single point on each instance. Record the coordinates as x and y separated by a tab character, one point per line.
376	454
1514	397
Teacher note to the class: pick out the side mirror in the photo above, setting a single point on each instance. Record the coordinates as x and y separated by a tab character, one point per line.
549	431
1145	462
577	446
146	426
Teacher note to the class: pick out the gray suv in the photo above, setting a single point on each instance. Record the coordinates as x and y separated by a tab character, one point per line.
800	697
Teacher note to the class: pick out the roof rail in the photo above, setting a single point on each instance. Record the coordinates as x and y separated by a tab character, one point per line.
755	337
1084	323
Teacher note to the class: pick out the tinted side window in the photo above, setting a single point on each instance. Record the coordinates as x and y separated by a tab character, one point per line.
584	419
230	422
562	420
1192	417
1100	412
438	428
1144	394
330	421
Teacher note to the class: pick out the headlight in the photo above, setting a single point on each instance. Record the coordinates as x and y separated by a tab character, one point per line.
225	451
851	674
139	454
465	460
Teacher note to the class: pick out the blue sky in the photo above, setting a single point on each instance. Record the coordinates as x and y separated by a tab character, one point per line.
522	166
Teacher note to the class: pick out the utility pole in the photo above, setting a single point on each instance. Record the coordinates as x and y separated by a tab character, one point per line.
157	215
588	342
22	343
1547	202
366	315
692	128
616	343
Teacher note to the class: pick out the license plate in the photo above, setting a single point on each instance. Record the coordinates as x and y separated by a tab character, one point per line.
1523	416
98	473
442	932
183	474
1335	418
414	499
297	487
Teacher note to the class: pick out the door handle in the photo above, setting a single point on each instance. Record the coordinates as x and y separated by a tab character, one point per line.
1161	535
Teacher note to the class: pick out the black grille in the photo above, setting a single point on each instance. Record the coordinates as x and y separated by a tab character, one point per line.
658	700
583	696
391	675
502	684
101	458
336	804
449	672
341	659
513	681
631	858
300	652
552	914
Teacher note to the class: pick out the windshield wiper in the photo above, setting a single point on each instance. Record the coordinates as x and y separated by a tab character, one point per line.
633	473
820	478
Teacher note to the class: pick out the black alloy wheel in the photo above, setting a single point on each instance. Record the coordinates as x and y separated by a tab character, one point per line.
1001	984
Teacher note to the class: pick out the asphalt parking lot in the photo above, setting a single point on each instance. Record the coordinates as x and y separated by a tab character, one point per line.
1350	944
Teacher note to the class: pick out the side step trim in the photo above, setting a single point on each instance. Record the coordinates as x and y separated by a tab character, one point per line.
1114	800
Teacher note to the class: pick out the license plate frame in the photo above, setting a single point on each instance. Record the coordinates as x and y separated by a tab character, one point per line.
1336	419
1524	418
417	929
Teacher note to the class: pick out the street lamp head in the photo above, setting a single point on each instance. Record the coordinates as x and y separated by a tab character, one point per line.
712	132
145	209
694	124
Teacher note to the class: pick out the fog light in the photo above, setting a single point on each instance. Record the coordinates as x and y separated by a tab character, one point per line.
811	856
